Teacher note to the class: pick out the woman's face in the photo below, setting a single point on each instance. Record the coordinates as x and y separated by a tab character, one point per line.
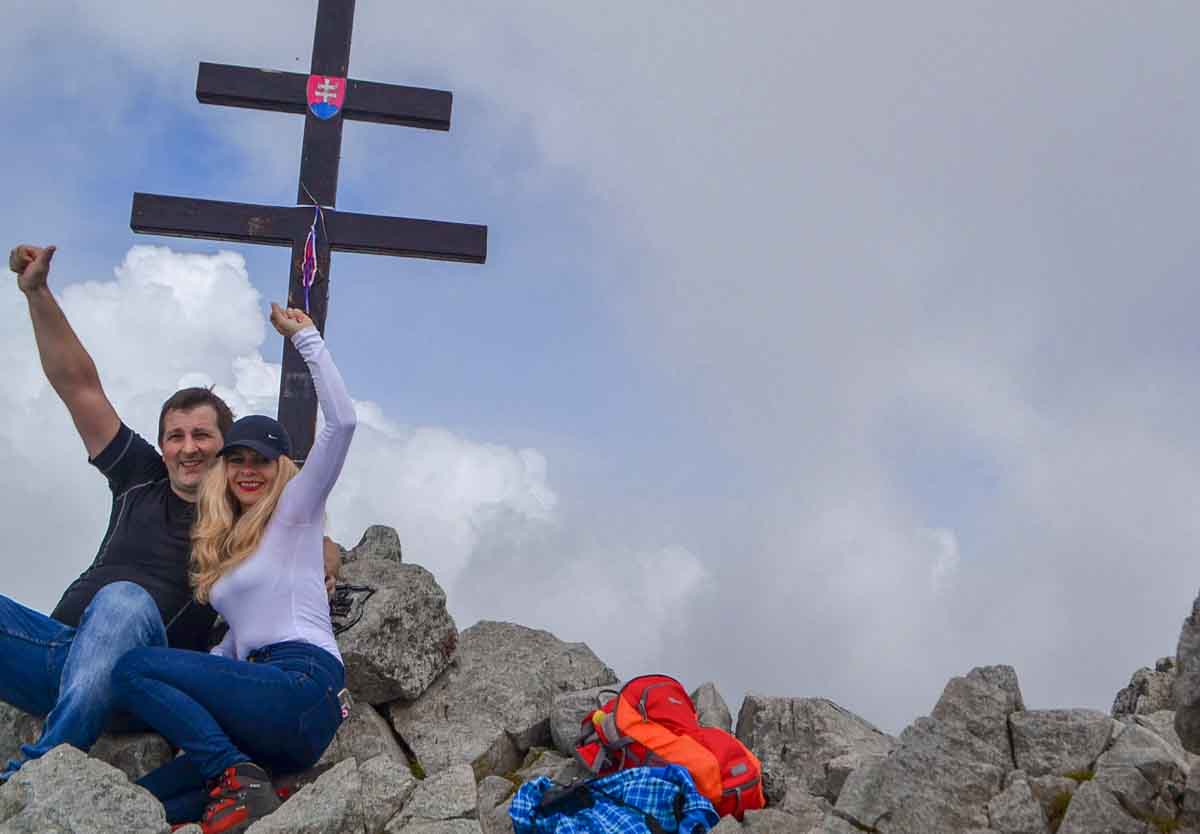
249	475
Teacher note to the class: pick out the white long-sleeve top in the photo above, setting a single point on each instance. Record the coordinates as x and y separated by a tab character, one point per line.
278	593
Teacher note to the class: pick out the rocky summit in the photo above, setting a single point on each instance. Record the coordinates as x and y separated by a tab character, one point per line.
447	725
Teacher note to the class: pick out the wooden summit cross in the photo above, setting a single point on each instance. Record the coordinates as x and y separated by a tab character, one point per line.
327	97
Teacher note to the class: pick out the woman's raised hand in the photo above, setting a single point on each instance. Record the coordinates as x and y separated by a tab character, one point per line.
289	321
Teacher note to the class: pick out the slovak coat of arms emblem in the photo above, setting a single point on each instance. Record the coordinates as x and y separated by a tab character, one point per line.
326	94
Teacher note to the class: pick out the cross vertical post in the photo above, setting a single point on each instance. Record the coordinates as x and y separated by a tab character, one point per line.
327	96
319	161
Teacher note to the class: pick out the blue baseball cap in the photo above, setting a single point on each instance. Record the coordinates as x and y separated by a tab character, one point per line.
263	434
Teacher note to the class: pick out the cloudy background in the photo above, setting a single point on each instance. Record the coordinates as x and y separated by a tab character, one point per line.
822	349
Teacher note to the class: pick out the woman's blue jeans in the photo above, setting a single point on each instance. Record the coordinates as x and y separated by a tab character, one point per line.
64	673
279	709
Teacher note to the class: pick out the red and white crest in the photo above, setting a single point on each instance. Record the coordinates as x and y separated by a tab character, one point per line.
326	93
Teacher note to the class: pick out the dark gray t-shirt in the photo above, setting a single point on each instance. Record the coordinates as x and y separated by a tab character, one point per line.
148	542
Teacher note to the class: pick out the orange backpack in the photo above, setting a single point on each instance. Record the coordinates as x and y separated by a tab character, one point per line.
652	722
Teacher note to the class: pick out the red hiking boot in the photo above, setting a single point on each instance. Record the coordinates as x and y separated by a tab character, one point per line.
242	796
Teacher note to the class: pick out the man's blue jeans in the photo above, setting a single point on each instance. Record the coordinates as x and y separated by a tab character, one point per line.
65	674
278	709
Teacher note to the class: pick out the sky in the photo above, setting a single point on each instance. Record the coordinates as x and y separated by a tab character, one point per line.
821	349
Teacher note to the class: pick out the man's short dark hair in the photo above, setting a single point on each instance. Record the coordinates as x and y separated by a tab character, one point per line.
186	399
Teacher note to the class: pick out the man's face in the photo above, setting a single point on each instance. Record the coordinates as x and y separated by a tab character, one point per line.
191	440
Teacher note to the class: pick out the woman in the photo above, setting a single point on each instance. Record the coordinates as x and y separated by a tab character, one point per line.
267	696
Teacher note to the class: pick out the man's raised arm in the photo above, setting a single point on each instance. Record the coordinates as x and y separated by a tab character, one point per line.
68	367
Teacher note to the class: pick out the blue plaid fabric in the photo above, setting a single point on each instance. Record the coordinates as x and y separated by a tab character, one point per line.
649	789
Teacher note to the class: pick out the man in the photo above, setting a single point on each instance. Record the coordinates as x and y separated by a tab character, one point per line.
136	591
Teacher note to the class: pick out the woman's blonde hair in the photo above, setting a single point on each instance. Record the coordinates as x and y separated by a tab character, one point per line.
223	536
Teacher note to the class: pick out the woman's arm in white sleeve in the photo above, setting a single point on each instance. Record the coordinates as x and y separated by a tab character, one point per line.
306	494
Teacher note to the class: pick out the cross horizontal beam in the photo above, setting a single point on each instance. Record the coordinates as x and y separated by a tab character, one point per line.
287	92
284	225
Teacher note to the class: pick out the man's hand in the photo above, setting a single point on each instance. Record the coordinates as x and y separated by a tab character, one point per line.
32	265
290	321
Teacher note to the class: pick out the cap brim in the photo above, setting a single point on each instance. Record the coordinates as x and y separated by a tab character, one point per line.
263	449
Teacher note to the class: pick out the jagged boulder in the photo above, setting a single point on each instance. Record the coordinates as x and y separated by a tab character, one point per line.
1149	690
448	795
982	702
405	636
378	542
933	781
568	711
711	709
386	785
945	769
495	797
330	805
1015	810
774	821
364	735
1094	810
16	728
1059	741
1143	772
798	737
1185	692
66	792
494	702
1162	724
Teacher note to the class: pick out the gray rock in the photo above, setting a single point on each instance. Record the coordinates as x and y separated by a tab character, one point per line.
921	787
1059	741
438	827
494	702
542	762
711	707
1162	724
1186	689
1149	690
954	739
799	736
364	735
1051	792
1094	810
727	825
330	805
982	701
493	790
570	708
66	792
833	824
808	809
16	728
1141	749
1131	789
1015	811
134	754
405	637
497	820
386	786
378	542
1003	677
774	821
1189	802
840	767
447	795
